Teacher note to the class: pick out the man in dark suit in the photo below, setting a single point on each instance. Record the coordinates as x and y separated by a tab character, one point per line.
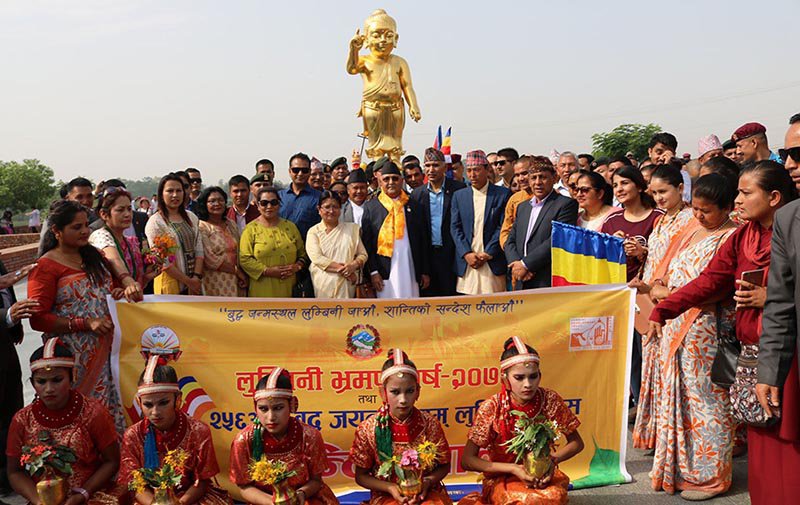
12	313
780	340
528	246
434	198
357	192
477	215
396	238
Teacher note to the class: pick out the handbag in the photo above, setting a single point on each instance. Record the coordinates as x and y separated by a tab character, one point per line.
303	287
364	289
723	369
745	407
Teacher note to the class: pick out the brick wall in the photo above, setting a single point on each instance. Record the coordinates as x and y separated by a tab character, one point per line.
18	239
19	256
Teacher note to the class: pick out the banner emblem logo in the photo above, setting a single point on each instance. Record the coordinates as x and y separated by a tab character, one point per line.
363	341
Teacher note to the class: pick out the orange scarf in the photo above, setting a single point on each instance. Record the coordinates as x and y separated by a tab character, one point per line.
394	224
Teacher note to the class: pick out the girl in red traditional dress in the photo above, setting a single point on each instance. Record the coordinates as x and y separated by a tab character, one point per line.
71	419
165	428
396	427
505	482
278	436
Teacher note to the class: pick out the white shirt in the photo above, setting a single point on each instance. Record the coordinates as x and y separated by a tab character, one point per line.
687	186
536	209
562	189
358	212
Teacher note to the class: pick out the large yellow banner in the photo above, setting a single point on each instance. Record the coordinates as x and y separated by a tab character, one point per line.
335	349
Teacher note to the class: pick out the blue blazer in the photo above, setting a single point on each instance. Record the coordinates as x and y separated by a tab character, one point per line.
462	220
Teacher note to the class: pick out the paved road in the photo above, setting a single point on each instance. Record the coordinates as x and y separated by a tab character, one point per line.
637	492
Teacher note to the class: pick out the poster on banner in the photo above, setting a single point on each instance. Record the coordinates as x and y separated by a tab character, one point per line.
334	350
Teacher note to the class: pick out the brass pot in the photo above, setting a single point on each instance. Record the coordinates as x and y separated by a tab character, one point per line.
283	494
52	491
164	496
537	467
411	486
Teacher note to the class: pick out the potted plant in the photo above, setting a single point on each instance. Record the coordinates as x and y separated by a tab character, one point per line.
276	474
163	480
533	442
54	462
410	467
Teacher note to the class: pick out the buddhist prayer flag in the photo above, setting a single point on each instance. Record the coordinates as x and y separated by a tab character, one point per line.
334	350
437	141
582	256
196	401
446	146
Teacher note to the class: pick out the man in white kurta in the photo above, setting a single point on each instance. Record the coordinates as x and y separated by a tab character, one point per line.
402	277
481	280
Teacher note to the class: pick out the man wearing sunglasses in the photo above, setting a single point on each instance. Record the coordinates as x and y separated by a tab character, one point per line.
752	145
395	235
299	200
779	342
503	166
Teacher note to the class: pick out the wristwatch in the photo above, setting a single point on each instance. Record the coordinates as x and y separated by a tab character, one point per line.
195	274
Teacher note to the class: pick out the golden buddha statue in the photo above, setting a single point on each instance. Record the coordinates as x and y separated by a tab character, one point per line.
387	79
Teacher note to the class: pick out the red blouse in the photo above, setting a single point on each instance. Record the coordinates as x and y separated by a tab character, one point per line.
187	433
486	429
304	452
83	425
717	283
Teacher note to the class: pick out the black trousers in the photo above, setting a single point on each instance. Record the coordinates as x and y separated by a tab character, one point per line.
443	276
10	391
636	367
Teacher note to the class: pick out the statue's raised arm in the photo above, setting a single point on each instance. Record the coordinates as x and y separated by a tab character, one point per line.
387	81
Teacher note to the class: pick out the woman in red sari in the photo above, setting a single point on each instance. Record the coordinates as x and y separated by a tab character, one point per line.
165	428
71	419
763	189
398	426
505	482
276	435
71	281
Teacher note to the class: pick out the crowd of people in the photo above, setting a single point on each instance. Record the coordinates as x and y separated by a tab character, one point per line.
714	366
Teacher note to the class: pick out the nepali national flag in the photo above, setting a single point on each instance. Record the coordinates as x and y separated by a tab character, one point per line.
581	256
437	141
196	401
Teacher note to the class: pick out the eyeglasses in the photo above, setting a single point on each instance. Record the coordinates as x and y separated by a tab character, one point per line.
499	163
266	203
582	190
196	180
341	194
297	170
573	187
792	152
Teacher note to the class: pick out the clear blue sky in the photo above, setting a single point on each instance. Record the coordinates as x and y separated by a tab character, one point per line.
107	88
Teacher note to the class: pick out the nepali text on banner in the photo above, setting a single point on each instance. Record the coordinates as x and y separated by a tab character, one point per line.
335	349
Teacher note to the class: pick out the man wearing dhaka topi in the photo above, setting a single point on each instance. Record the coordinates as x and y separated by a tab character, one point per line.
387	79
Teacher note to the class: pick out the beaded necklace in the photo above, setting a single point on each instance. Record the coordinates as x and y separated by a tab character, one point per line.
55	419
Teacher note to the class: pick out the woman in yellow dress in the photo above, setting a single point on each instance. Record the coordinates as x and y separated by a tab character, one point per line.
271	250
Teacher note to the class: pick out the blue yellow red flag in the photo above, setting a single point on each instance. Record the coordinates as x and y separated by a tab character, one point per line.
437	141
446	143
581	256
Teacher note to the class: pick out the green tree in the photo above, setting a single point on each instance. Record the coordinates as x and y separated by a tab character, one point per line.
26	185
146	186
624	138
